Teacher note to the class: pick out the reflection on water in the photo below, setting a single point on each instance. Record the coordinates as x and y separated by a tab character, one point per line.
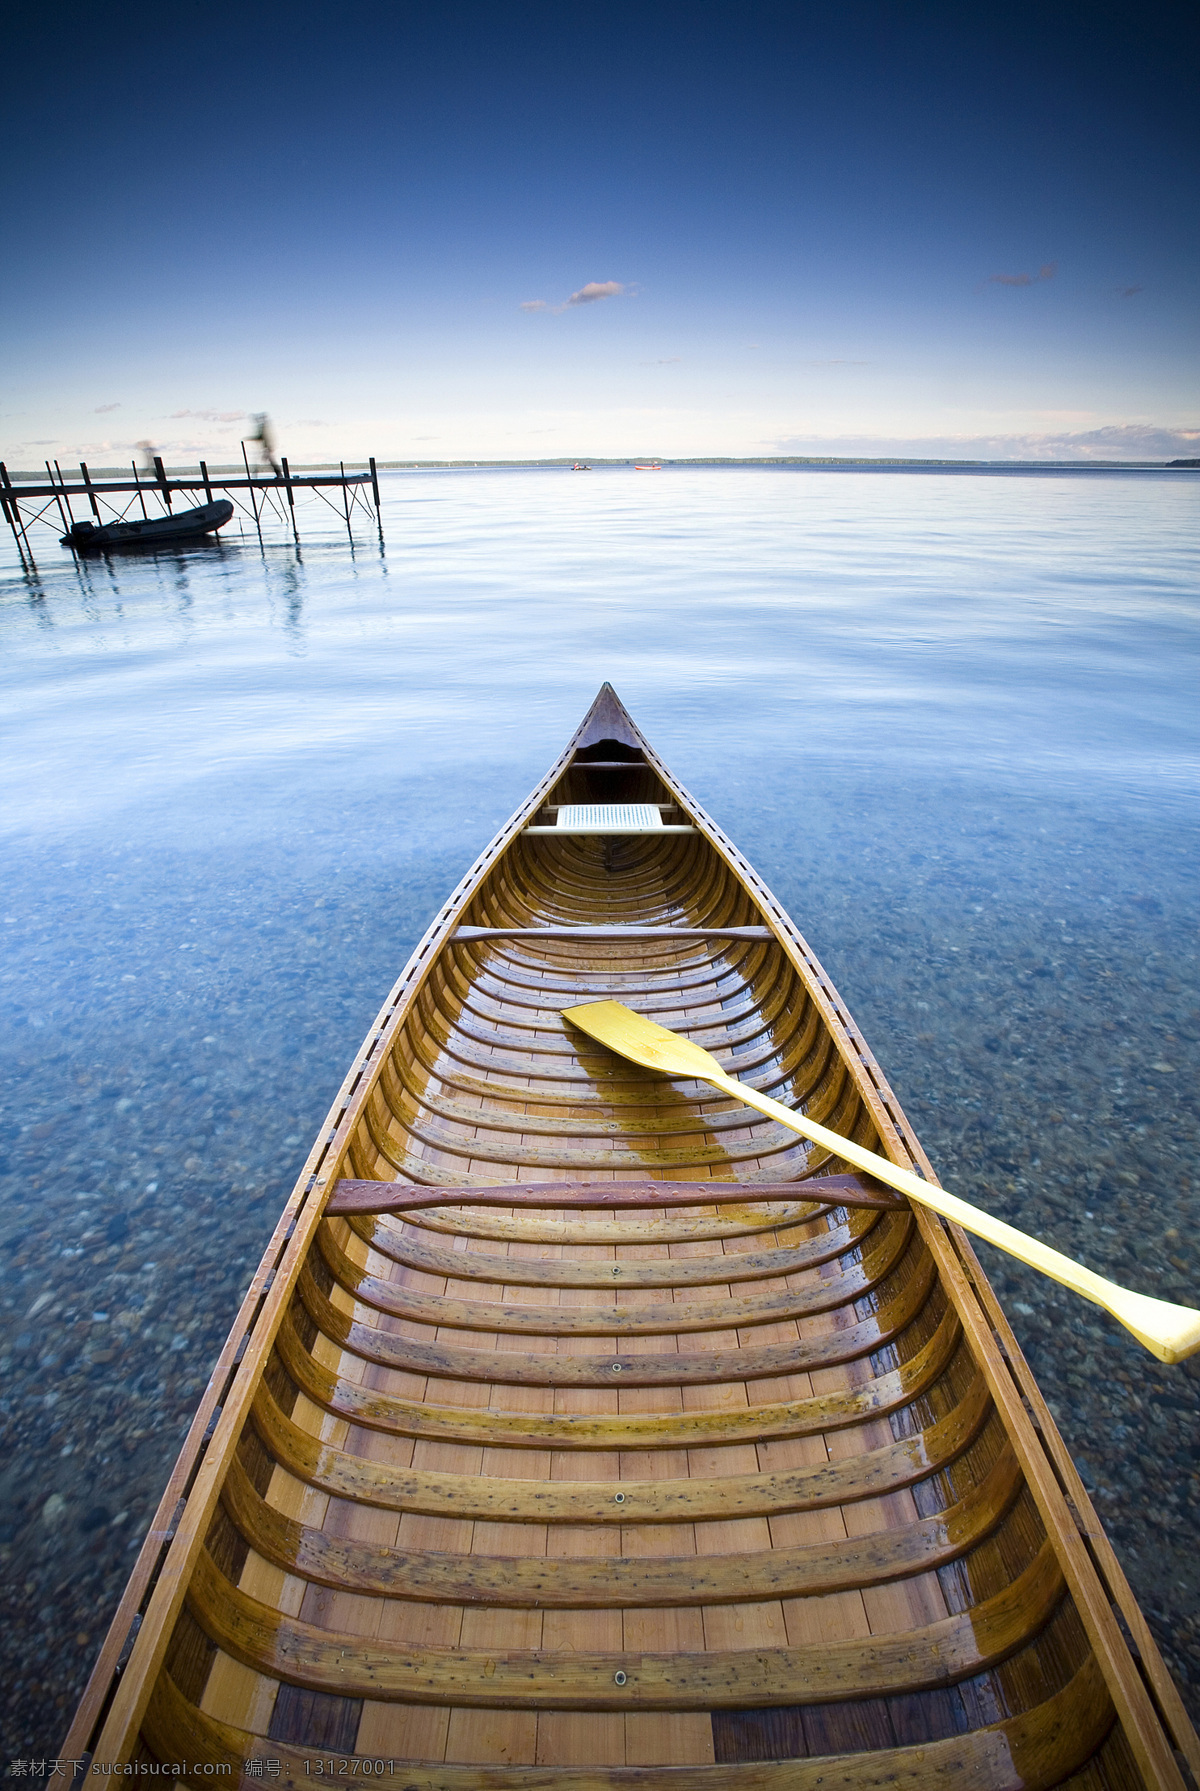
951	719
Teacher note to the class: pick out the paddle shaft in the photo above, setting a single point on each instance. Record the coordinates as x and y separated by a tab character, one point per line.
1170	1332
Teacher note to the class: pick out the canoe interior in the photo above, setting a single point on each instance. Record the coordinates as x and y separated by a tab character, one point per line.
718	1496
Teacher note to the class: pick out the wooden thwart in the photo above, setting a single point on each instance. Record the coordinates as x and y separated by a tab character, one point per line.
401	1197
610	935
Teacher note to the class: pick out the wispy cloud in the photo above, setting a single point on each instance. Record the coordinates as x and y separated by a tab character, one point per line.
670	360
102	409
1111	442
594	290
841	363
1046	272
211	416
591	294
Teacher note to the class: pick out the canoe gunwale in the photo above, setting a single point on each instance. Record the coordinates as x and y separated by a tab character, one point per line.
116	1701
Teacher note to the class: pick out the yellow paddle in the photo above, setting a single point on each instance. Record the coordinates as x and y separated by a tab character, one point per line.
1172	1333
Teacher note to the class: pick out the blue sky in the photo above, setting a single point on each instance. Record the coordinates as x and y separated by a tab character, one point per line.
799	229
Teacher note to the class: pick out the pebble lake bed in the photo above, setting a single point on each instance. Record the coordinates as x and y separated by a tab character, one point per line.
949	716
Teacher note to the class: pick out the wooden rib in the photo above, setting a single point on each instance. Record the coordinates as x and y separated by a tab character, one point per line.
579	1583
1038	1749
709	1005
514	974
740	1312
657	1229
457	1045
516	978
401	1247
773	1422
407	1100
620	1368
771	1141
440	1494
937	1654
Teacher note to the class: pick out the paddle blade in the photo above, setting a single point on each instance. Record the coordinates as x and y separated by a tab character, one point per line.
613	1024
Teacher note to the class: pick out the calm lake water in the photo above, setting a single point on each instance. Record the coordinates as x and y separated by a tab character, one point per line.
951	717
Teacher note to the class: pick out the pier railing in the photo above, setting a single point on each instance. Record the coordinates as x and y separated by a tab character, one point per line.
259	497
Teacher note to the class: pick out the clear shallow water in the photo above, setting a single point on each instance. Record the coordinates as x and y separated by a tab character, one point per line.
952	718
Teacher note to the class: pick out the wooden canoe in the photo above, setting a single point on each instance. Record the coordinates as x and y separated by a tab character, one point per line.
583	1430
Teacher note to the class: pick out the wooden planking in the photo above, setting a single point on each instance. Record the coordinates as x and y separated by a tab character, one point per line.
506	1677
1034	1750
540	1369
712	1270
585	1583
515	1500
771	1421
740	1312
657	1228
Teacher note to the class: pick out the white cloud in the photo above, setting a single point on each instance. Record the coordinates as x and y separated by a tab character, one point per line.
211	416
594	290
101	409
591	294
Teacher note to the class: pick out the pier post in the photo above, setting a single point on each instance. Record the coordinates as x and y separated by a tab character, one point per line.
287	479
91	494
207	487
58	500
141	500
375	485
4	491
161	476
66	493
12	509
250	478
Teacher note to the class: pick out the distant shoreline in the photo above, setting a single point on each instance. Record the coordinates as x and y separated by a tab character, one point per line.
829	462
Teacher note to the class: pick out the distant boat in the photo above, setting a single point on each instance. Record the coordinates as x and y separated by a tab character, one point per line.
647	466
162	531
579	467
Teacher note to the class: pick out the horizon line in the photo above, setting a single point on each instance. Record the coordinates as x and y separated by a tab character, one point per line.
663	460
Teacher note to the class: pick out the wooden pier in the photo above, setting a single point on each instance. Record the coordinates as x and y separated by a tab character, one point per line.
28	505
